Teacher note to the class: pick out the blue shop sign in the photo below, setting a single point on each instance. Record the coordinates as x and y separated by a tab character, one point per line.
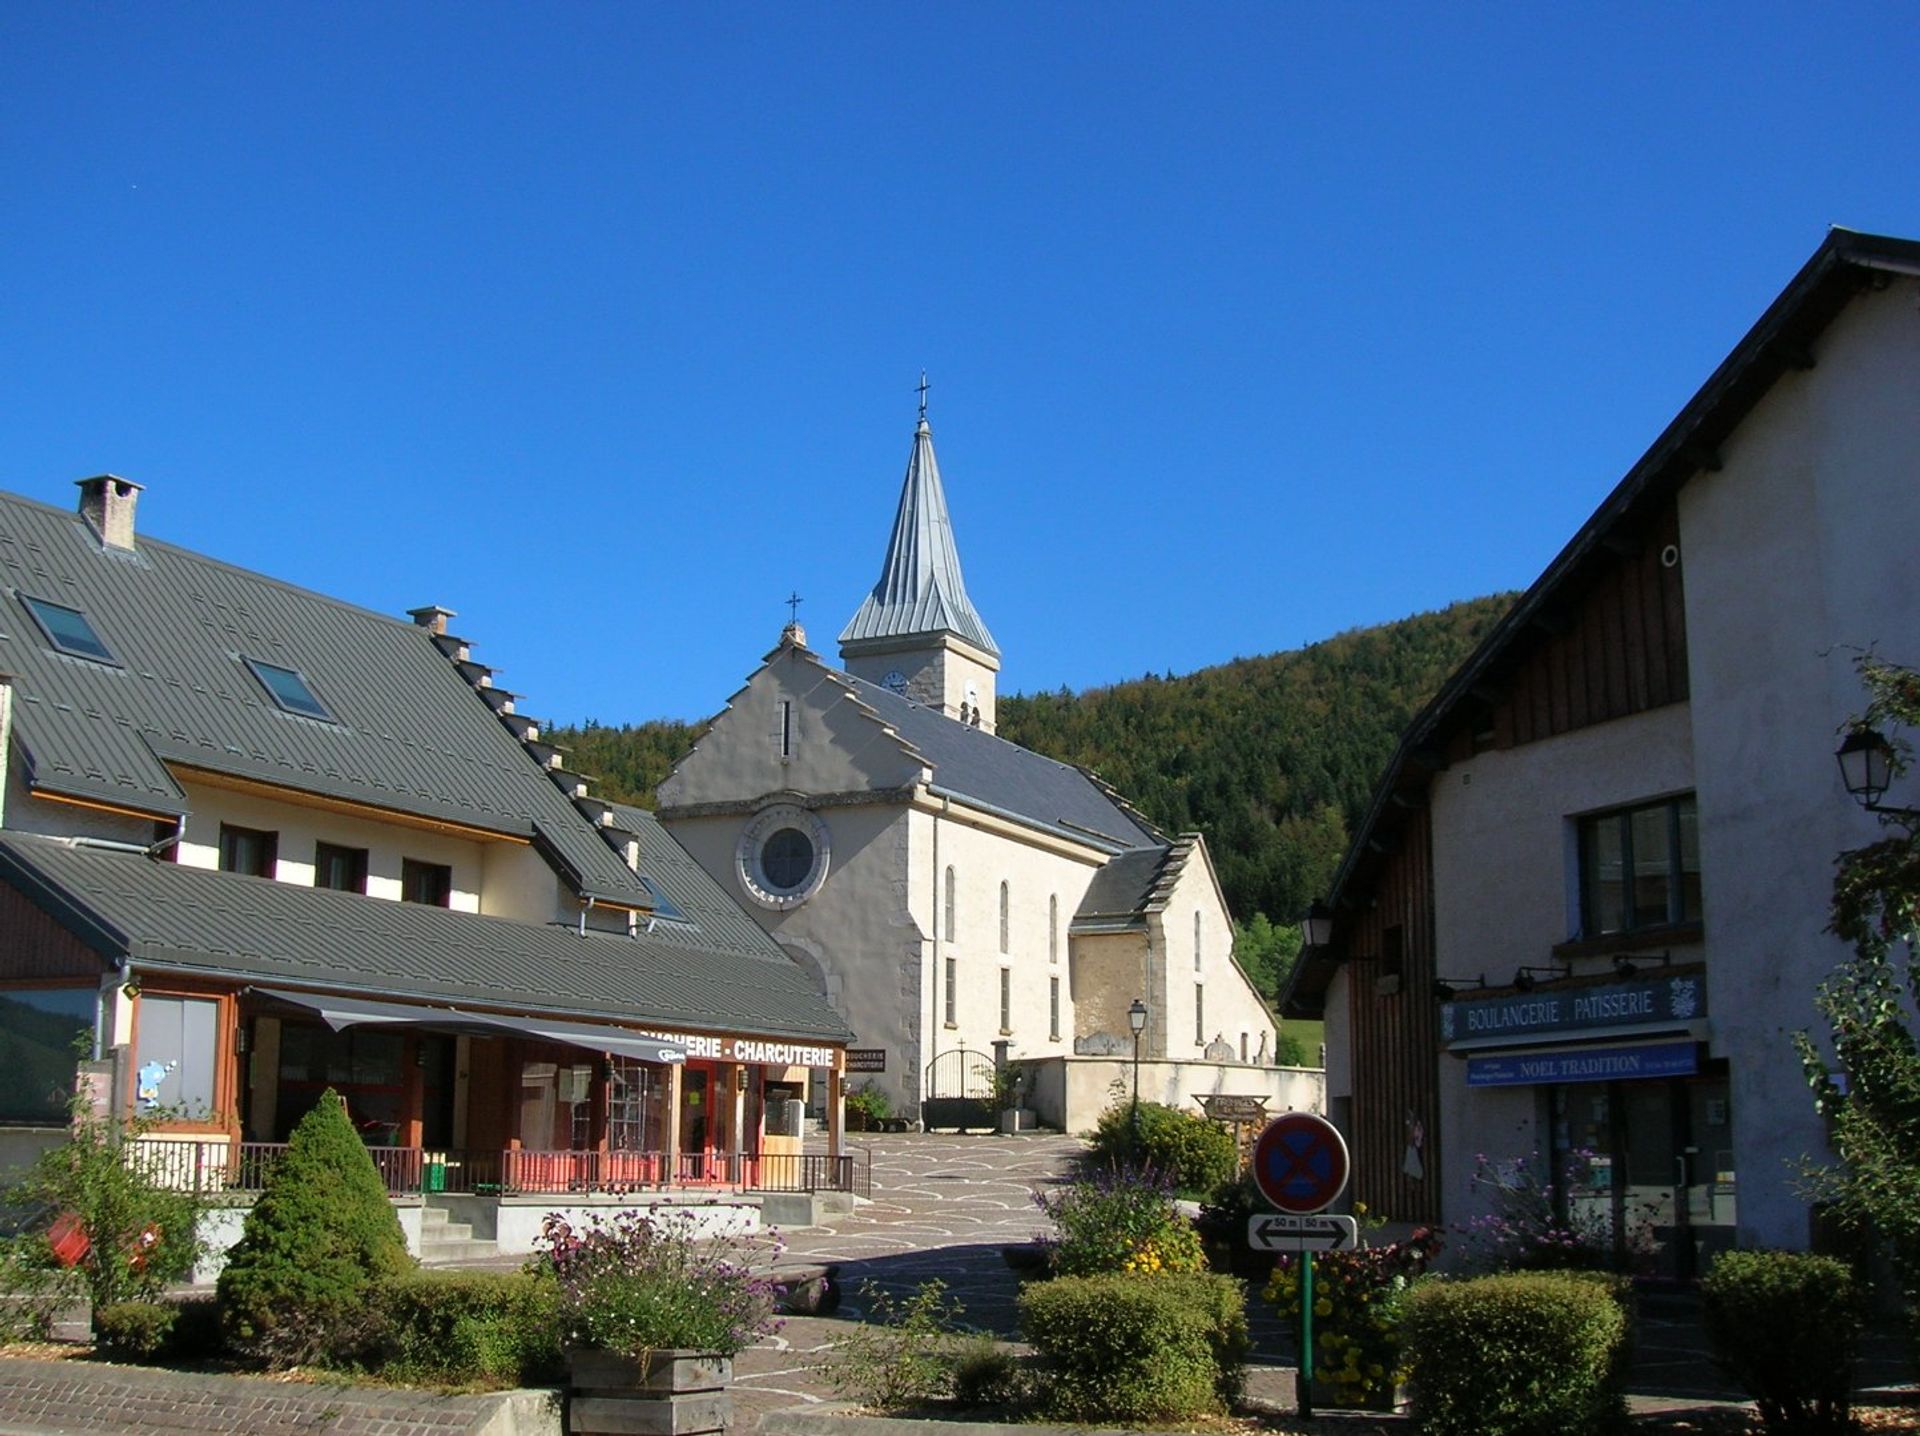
1585	1064
1676	997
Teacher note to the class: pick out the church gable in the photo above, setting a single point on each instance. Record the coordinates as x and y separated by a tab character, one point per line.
795	727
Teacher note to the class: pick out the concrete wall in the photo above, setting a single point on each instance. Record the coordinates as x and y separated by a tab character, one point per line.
1505	892
1231	1010
1071	1092
1798	554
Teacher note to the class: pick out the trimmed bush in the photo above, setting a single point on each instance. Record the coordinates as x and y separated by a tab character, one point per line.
468	1328
1522	1354
1116	1348
320	1236
187	1330
1786	1326
134	1330
1196	1155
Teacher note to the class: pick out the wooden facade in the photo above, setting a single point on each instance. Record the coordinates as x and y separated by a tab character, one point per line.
1619	648
1395	1036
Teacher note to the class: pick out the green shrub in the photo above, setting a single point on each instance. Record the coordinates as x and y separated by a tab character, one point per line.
985	1373
1786	1326
187	1330
468	1328
903	1354
1116	1348
1195	1154
868	1103
1521	1354
1119	1221
320	1236
135	1330
34	1290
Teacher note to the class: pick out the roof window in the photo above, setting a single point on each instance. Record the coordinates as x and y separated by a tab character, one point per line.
289	690
69	630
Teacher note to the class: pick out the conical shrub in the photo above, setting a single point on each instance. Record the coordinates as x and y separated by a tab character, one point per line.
322	1232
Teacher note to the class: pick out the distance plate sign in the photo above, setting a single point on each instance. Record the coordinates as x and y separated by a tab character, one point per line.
1300	1162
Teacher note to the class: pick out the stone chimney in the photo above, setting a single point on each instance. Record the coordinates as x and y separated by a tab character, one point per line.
107	502
433	618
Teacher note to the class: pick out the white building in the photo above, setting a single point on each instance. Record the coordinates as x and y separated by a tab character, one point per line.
1587	908
952	891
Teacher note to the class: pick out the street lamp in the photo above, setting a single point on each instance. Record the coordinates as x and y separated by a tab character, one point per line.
1137	1020
1866	761
1317	929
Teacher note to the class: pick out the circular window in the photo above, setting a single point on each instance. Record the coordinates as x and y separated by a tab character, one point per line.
782	857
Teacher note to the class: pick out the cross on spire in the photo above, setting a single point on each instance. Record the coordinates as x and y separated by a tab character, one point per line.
793	602
922	387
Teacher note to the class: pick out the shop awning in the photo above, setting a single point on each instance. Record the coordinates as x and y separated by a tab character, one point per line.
339	1012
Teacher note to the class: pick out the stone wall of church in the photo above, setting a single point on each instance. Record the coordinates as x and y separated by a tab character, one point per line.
1039	887
1208	1002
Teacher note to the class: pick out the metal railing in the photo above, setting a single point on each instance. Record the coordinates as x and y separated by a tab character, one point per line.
406	1171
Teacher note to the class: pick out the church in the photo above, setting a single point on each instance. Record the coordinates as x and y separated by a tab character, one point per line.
961	901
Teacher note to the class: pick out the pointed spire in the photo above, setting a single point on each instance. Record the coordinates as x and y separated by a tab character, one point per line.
920	589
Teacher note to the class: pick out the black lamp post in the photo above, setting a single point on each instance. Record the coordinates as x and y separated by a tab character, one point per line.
1317	928
1137	1020
1866	761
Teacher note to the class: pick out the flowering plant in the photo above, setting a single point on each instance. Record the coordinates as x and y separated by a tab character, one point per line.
1533	1223
1121	1220
637	1284
1356	1300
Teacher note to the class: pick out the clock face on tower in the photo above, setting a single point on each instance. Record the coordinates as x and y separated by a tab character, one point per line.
896	680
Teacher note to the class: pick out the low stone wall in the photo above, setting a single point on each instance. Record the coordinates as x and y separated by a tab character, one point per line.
1070	1093
223	1221
517	1221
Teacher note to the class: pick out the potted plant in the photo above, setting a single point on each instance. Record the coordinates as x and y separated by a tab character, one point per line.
867	1108
649	1317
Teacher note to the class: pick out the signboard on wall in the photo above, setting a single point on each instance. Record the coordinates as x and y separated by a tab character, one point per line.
866	1059
1677	997
1585	1064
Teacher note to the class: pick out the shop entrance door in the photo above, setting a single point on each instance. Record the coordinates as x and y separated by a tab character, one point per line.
696	1122
1647	1169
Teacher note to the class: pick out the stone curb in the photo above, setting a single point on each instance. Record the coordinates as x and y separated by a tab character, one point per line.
837	1419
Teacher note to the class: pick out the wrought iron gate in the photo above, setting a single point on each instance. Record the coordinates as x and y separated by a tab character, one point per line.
959	1091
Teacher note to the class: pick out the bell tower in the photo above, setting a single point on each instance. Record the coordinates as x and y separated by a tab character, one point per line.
917	632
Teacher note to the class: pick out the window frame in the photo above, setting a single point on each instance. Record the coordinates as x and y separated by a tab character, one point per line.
1587	831
1006	920
38	608
1053	1009
318	711
233	834
950	903
357	862
953	985
1006	1001
413	868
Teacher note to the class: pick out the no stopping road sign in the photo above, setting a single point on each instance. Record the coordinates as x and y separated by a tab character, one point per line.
1300	1162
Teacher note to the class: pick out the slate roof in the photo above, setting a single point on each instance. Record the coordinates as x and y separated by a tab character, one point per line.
1118	894
411	733
920	589
162	915
972	763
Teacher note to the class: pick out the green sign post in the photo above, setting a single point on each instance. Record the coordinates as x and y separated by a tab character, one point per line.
1300	1165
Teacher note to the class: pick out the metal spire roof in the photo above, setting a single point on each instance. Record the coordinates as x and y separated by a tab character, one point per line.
920	589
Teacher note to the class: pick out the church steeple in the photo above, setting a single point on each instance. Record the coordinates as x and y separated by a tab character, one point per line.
917	630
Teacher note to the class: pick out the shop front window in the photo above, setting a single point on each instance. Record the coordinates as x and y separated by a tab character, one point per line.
364	1065
38	1028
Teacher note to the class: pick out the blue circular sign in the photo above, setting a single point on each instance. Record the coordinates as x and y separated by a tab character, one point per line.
1300	1162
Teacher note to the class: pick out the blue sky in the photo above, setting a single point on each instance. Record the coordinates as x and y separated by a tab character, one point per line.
600	323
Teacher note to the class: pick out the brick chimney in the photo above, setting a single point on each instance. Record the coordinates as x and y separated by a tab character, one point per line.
107	502
433	618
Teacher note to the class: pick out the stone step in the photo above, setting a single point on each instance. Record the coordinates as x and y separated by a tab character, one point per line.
434	1253
446	1231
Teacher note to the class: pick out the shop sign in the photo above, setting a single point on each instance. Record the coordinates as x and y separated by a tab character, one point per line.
1231	1107
1585	1064
755	1051
1677	999
866	1059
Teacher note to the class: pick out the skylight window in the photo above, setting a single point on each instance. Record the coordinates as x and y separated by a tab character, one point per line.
289	690
69	630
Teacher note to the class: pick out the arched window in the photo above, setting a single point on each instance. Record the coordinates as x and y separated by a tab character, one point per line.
1003	917
950	933
1196	939
1053	928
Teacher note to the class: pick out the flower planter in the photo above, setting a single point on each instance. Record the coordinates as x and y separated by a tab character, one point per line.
664	1393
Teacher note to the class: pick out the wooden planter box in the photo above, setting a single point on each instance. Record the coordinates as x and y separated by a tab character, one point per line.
664	1393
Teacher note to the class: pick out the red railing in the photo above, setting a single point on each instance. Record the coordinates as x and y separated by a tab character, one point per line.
413	1170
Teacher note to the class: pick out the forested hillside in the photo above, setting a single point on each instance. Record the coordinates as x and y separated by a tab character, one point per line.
1272	758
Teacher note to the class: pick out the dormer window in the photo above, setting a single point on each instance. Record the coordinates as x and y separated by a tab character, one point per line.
289	690
69	630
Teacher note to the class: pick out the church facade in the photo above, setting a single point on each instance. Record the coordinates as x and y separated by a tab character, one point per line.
950	891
